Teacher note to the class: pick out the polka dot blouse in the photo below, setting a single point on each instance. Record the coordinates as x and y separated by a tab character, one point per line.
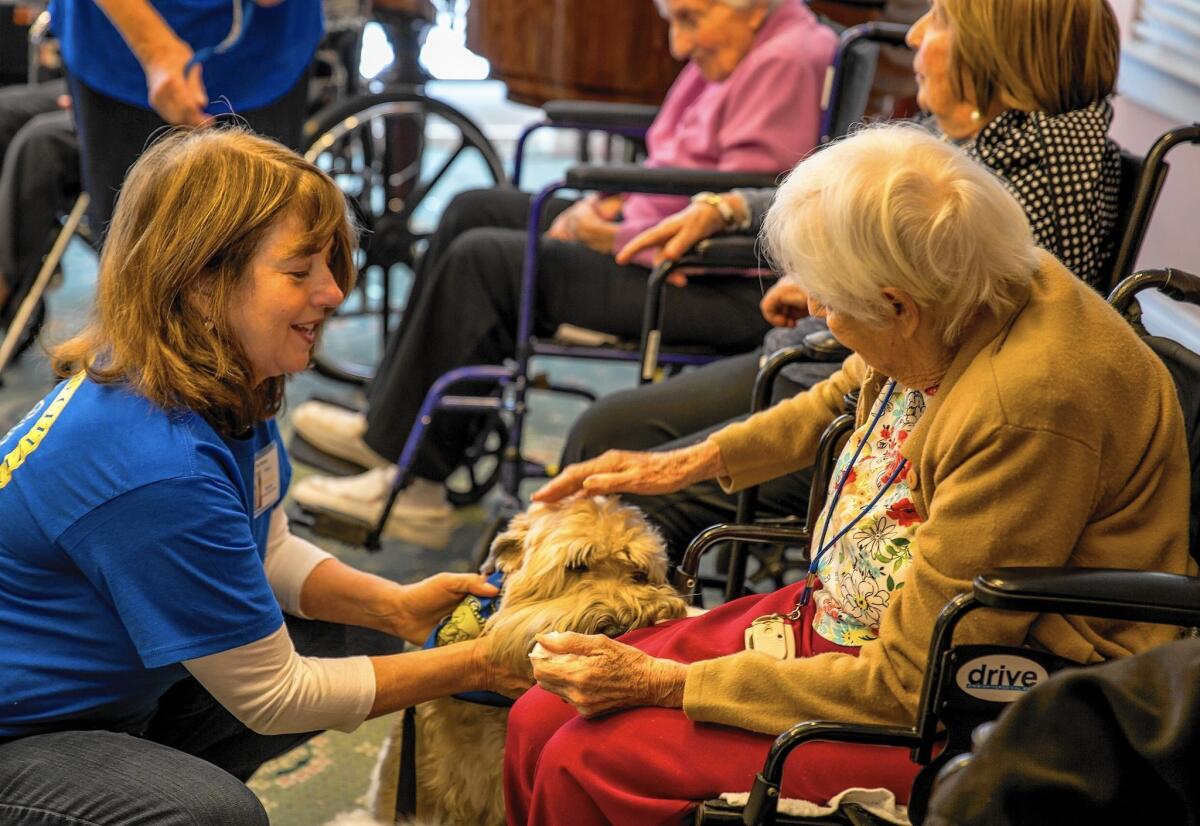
1066	174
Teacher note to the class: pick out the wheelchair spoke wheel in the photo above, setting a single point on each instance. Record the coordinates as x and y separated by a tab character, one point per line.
481	464
400	157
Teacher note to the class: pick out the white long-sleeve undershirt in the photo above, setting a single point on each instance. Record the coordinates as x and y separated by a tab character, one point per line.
266	684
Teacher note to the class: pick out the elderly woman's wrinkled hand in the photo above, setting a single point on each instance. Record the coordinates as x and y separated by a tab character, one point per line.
596	674
784	304
590	221
626	471
678	233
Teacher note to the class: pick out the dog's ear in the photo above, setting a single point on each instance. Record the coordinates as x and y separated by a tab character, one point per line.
507	548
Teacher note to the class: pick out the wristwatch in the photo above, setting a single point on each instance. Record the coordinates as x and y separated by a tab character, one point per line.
718	203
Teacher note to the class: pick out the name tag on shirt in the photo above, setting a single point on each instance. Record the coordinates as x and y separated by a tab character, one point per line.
266	479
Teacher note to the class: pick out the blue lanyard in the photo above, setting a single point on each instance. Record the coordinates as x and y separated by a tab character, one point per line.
822	547
243	12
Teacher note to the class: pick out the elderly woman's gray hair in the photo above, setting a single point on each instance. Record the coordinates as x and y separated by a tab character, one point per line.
893	206
737	4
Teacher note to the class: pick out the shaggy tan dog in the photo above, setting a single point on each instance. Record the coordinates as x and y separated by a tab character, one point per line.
588	565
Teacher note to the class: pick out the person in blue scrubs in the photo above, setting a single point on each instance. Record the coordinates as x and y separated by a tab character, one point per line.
136	65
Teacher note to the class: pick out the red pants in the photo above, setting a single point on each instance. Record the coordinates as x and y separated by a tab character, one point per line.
651	765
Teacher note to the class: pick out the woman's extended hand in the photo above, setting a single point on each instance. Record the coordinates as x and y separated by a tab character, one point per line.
507	678
678	233
418	608
590	221
605	675
784	304
626	471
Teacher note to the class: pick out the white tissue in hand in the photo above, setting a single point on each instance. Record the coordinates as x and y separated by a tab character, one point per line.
540	653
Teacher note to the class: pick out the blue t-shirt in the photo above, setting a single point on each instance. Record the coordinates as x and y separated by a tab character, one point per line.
266	62
131	539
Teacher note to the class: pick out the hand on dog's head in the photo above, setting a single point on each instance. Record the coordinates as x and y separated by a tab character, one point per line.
590	565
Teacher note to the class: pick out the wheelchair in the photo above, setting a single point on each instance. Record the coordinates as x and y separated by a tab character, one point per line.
951	699
846	95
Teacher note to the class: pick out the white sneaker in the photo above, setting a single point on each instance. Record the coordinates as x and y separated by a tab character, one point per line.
363	497
336	431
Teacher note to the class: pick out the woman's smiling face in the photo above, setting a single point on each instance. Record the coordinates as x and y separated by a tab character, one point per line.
286	298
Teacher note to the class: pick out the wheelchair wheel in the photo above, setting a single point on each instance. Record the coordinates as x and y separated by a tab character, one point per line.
399	156
480	469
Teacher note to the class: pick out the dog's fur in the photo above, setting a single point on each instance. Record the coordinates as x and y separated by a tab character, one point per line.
589	565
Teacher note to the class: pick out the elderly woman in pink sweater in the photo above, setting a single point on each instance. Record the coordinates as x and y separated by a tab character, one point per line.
747	100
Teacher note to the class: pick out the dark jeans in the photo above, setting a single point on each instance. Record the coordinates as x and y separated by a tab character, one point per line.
464	310
682	411
187	765
112	135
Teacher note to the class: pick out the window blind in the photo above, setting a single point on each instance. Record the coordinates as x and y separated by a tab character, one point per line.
1160	58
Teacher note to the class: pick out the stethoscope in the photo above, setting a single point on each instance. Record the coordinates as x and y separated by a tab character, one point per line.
243	11
822	546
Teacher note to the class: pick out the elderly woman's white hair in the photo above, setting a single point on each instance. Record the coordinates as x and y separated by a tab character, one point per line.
893	206
737	4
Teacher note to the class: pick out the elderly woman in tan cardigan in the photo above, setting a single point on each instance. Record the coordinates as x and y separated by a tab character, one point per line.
1007	416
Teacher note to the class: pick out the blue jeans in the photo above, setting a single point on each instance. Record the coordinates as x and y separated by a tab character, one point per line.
187	765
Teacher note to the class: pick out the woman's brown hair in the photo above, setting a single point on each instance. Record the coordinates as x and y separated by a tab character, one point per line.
190	217
1048	56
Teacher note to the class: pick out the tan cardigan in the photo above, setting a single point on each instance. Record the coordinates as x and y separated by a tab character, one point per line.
1055	438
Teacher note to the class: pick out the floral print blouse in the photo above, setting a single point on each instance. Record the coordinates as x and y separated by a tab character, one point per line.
860	571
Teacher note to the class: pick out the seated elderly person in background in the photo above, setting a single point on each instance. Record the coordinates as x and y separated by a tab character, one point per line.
996	79
146	669
987	436
748	100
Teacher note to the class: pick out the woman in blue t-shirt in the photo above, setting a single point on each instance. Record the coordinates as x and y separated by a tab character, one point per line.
145	558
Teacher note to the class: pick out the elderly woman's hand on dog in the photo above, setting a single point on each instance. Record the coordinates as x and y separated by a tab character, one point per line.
626	471
596	674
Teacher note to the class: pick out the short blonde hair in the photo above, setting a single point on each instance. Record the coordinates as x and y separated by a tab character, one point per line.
191	215
893	206
1050	56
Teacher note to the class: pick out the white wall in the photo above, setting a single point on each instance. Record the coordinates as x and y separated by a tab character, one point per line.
1174	235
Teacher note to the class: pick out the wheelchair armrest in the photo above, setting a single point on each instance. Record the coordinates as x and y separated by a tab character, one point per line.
724	252
686	573
1109	593
603	115
764	794
662	180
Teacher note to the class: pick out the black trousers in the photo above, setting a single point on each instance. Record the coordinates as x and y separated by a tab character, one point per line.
112	134
464	309
683	411
39	178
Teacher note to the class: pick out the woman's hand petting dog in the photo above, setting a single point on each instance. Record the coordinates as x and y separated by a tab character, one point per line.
416	609
625	471
605	675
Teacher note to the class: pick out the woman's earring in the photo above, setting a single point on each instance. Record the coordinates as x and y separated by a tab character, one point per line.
976	116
